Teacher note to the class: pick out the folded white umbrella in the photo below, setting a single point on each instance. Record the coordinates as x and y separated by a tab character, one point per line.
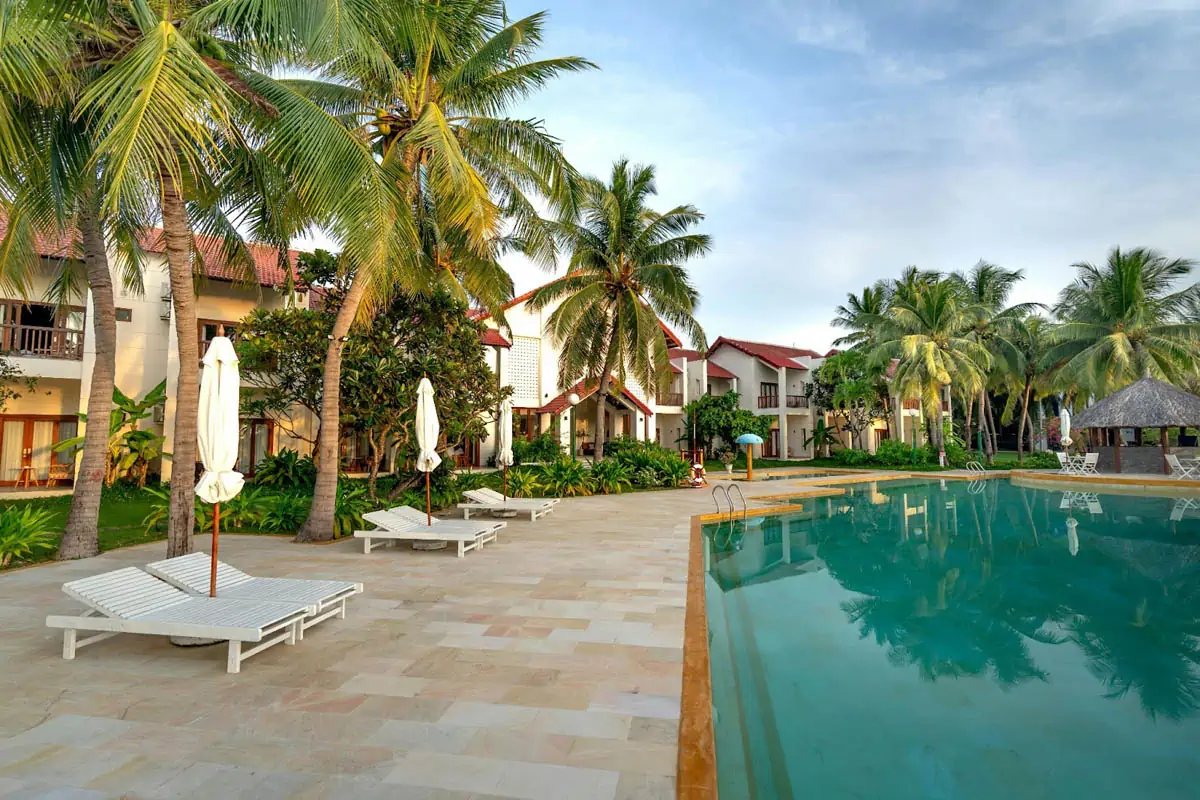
1065	428
504	456
428	430
217	434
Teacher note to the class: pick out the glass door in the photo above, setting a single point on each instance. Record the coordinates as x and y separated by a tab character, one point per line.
41	453
12	450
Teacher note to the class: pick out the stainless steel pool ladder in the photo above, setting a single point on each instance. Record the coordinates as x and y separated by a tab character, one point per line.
718	490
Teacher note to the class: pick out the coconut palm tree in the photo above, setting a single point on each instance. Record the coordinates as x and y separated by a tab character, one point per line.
862	315
49	190
929	333
168	91
985	290
431	103
1126	319
626	273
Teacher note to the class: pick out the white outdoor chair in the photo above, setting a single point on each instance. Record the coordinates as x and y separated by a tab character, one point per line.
191	573
490	500
132	601
1178	471
395	525
1090	460
1065	467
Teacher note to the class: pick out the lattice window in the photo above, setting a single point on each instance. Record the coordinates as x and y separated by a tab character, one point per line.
524	362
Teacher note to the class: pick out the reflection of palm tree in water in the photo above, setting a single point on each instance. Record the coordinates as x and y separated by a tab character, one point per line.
958	602
928	601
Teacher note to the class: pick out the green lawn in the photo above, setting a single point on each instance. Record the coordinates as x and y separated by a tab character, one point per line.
120	519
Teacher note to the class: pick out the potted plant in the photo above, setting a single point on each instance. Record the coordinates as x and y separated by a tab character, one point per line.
727	457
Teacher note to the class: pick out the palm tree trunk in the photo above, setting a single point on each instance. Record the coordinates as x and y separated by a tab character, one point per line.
968	428
988	451
319	525
80	539
1024	420
991	415
177	236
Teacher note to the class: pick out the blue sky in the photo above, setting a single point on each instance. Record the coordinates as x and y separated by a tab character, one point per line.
832	143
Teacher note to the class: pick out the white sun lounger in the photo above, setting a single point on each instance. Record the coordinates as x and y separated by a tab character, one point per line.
132	601
395	525
491	500
192	572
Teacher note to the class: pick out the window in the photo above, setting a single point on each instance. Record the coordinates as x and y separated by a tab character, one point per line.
208	330
255	441
124	315
768	390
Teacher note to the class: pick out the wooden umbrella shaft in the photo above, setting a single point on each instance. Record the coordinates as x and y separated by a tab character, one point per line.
212	578
504	482
428	503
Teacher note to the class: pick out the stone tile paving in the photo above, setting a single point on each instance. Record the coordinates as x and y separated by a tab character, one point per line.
546	666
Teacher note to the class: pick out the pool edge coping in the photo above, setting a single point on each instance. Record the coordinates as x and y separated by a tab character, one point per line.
696	762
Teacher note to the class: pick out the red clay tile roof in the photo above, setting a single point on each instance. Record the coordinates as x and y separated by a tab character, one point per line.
715	370
493	338
560	403
266	259
774	354
689	355
674	368
479	313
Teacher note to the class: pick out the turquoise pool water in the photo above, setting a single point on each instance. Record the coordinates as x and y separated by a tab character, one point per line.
958	640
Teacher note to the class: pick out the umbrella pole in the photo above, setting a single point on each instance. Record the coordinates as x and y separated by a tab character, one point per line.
504	481
749	462
428	503
212	578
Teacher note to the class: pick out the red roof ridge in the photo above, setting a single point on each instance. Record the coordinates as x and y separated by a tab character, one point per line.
560	403
777	355
266	257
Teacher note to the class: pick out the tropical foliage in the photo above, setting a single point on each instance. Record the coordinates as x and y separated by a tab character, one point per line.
936	338
626	274
131	449
24	533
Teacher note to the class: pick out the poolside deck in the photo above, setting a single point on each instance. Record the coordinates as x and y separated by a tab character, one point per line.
547	666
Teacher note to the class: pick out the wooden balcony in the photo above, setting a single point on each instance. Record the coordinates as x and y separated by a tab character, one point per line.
671	399
797	401
31	341
768	401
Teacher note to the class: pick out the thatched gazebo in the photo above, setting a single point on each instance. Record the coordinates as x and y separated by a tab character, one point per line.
1148	403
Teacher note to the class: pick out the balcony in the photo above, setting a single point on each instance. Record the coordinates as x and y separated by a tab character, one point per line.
671	399
915	405
797	401
768	401
34	341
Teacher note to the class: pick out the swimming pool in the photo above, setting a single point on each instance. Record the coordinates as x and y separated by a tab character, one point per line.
957	640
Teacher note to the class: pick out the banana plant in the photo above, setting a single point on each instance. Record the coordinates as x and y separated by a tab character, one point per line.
130	448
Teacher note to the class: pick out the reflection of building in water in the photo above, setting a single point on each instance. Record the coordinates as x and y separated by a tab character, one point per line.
912	509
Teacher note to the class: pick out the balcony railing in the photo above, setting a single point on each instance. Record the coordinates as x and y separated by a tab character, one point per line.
38	342
768	401
797	401
671	399
915	405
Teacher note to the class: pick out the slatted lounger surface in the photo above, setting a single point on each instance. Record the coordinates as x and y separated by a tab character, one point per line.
491	500
394	525
131	601
192	572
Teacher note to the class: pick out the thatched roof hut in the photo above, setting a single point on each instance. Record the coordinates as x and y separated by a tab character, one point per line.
1148	403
